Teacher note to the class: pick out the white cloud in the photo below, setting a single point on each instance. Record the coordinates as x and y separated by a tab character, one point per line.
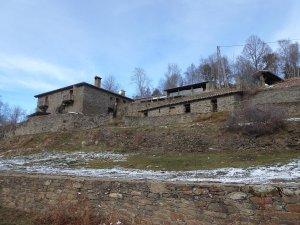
34	74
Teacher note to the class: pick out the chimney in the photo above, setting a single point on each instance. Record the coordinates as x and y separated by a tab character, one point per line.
122	92
98	81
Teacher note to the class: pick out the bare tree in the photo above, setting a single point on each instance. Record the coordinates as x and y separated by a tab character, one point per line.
289	58
254	52
192	75
209	70
156	92
172	77
17	114
142	83
271	61
111	84
10	115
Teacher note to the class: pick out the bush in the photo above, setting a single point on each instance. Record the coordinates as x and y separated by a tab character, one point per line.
257	120
78	213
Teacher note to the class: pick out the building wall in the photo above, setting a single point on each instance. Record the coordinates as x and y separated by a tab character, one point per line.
96	102
224	103
187	92
56	99
155	202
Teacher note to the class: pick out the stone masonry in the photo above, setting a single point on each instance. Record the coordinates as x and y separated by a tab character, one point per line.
156	202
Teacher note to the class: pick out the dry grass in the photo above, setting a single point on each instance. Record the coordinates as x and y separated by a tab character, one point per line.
74	213
257	120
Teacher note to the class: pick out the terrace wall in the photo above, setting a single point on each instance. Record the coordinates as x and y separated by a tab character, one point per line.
59	122
154	202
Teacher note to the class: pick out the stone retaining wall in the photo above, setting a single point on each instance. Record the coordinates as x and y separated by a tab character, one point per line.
159	120
153	202
61	122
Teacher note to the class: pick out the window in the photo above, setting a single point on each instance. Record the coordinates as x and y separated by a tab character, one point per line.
110	110
145	113
124	101
214	105
159	110
187	108
71	92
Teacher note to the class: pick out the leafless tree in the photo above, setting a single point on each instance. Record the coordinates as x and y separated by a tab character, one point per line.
111	84
17	114
289	58
10	115
209	70
192	75
254	52
142	83
271	61
156	92
172	77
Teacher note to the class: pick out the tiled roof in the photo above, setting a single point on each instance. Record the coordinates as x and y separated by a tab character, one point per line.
79	85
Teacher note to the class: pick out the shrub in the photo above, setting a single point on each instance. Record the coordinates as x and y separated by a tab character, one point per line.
70	213
257	120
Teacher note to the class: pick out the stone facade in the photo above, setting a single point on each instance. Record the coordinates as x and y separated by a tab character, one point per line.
156	202
201	105
81	98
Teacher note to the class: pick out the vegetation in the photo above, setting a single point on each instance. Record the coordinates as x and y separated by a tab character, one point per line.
195	161
255	120
222	71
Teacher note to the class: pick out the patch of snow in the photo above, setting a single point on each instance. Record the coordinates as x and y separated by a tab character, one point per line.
57	163
295	119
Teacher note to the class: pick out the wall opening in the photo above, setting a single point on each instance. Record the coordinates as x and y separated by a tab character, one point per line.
145	113
214	105
187	108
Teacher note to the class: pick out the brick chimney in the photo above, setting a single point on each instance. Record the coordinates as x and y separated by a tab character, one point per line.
98	81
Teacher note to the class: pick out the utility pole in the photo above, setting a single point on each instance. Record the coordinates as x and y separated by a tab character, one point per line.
221	67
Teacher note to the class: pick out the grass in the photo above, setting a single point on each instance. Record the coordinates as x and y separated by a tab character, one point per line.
194	161
14	217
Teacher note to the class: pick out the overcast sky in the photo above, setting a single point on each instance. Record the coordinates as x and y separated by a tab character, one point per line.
47	44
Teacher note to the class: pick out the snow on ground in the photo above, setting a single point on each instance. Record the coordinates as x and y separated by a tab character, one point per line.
58	163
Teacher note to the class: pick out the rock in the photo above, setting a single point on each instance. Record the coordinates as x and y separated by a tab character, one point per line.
237	195
115	195
157	187
263	190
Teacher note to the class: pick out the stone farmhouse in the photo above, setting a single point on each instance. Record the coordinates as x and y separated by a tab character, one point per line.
84	106
82	98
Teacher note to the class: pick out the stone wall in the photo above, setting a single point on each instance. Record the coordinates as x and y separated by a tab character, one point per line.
159	120
224	103
59	122
288	98
154	202
97	102
54	100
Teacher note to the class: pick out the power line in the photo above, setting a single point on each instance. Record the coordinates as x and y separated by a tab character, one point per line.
240	45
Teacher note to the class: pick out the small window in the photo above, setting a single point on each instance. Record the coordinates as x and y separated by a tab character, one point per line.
159	110
111	98
71	92
187	108
214	105
117	99
124	101
145	113
110	110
